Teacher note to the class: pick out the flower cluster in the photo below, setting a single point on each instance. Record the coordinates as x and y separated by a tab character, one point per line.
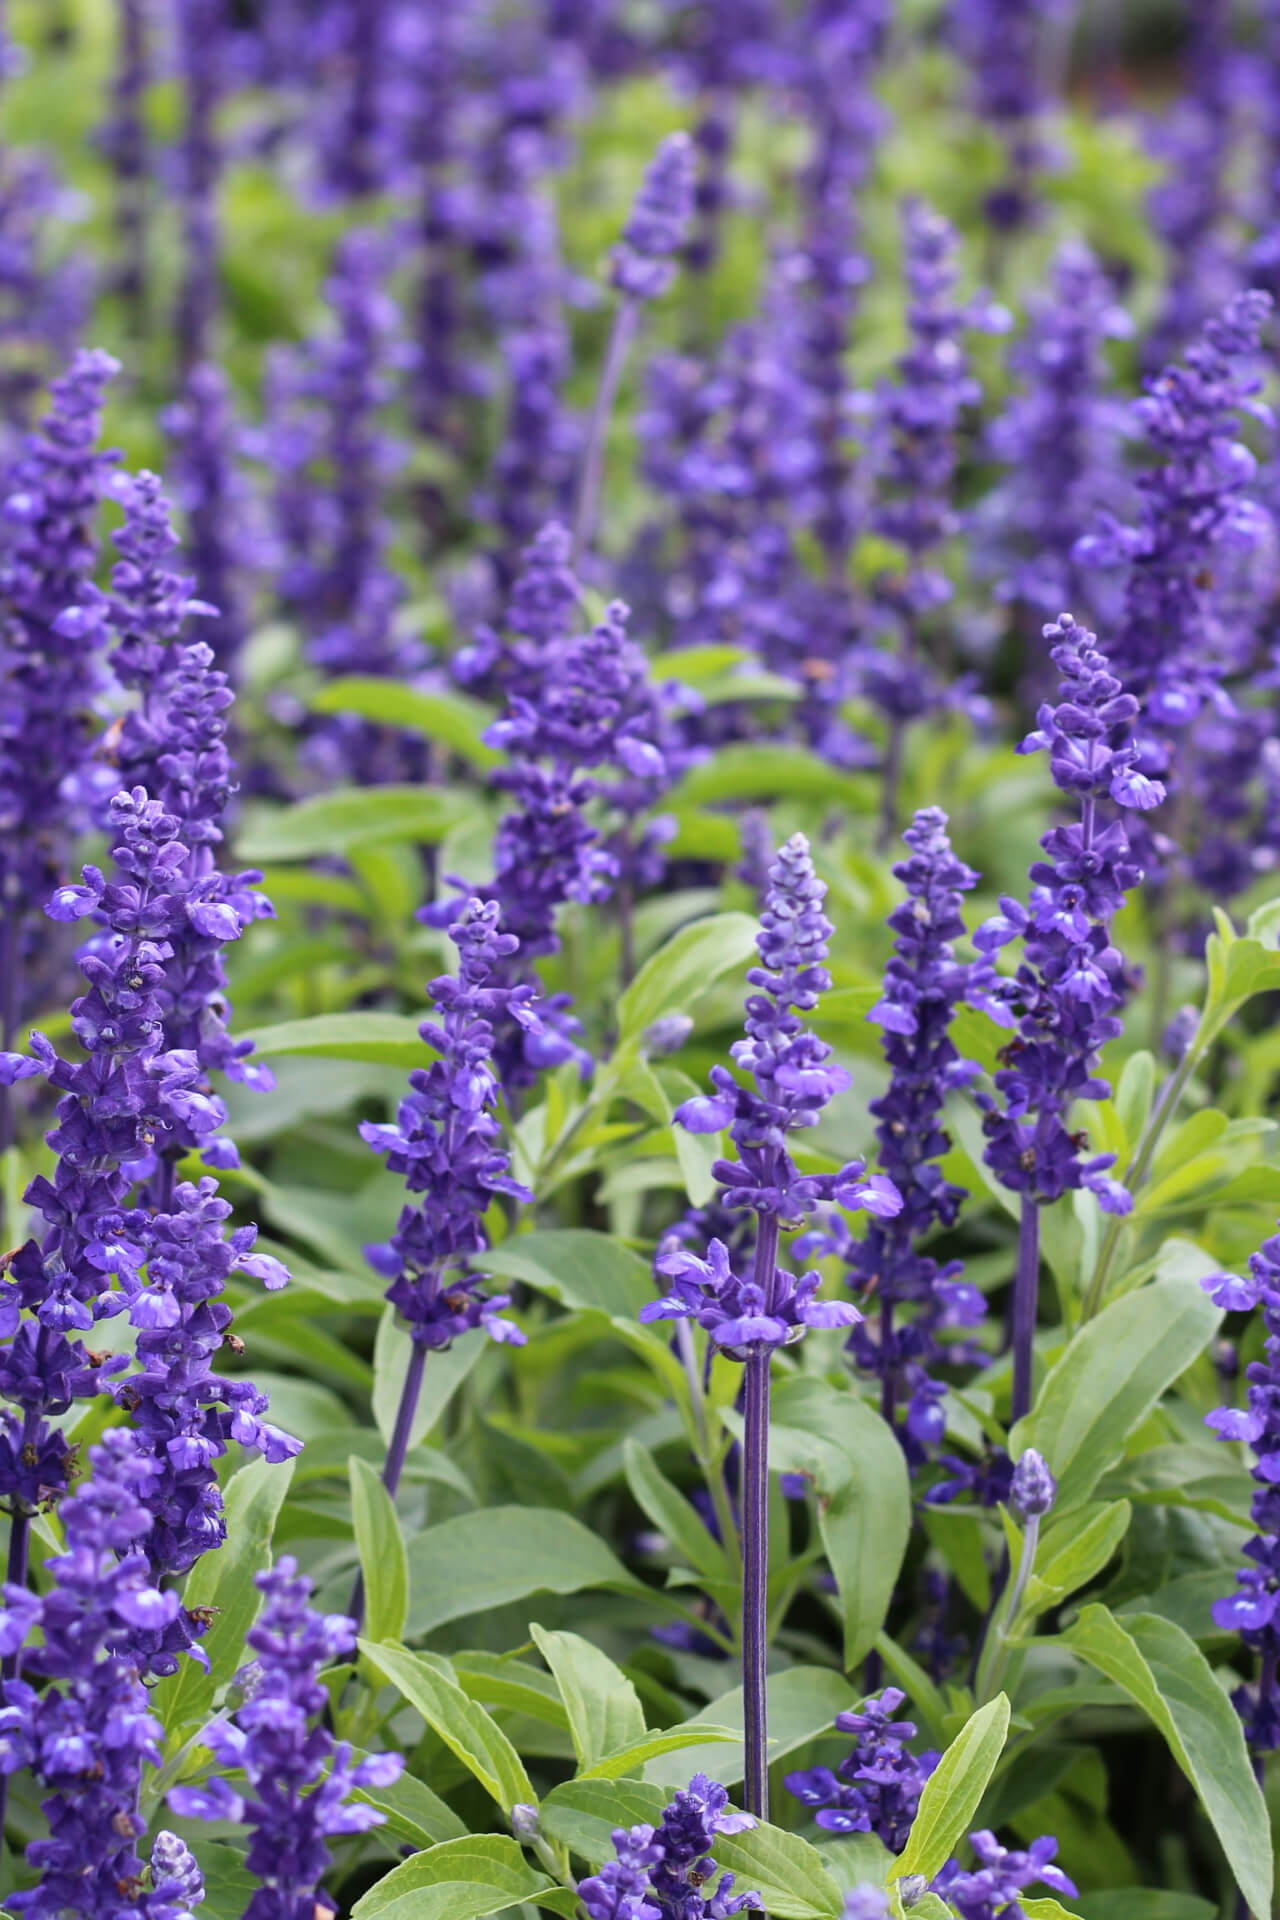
88	1732
1066	994
924	984
876	1788
1003	45
299	1778
1003	1874
659	1873
444	1142
643	264
213	494
1253	1610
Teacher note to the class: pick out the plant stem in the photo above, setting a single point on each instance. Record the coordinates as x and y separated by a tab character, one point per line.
755	1538
1136	1172
712	1471
888	1379
995	1652
1026	1289
591	475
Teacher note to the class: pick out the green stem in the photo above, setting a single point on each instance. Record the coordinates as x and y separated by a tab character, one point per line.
995	1654
1136	1172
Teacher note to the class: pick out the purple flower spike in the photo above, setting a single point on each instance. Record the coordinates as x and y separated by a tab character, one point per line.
659	1873
297	1778
644	260
1001	1876
877	1786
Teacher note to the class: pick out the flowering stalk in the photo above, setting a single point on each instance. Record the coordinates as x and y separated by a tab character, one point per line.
125	142
201	27
794	1080
299	1779
1032	1492
877	1786
1002	1875
643	268
659	1873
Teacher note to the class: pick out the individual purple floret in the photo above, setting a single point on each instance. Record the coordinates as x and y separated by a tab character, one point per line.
914	426
1065	996
917	1297
1253	1610
876	1788
88	1733
1002	1875
643	263
659	1873
47	553
1058	438
297	1778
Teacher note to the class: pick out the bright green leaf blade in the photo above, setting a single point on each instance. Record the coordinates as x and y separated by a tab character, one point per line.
603	1706
672	979
386	1039
429	1684
480	1560
380	1544
578	1268
1076	1553
414	1813
954	1789
803	1702
671	1513
452	720
442	1376
1111	1376
784	1869
490	1865
582	1814
1164	1671
329	823
615	1766
500	1680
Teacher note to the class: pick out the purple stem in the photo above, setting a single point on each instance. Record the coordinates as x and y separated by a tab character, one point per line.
10	994
888	1378
755	1538
591	477
1026	1288
410	1393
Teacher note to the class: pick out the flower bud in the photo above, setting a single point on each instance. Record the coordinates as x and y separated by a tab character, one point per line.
524	1822
1034	1488
667	1035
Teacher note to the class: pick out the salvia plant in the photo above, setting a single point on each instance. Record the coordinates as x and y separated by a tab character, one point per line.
639	939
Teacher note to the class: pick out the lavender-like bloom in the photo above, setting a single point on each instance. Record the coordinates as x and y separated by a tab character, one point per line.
1253	1610
542	613
924	984
1057	438
201	33
915	422
88	1734
643	267
659	1873
1002	1875
793	1081
445	1143
1065	996
48	553
213	496
298	1777
177	1884
1005	44
124	140
1033	1489
877	1786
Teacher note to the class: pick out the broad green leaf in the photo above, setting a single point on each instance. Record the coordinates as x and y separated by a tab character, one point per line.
784	1869
1143	1903
582	1814
671	1513
864	1504
414	1813
1110	1377
329	823
1204	1480
228	1884
1164	1671
478	1874
224	1581
763	770
698	666
628	1759
380	1544
855	1859
672	979
428	1683
452	719
480	1560
1076	1553
578	1268
802	1702
500	1680
953	1791
386	1039
442	1376
603	1706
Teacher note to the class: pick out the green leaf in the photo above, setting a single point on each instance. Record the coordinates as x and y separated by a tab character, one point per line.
1185	1476
785	1870
1143	1903
1164	1671
671	1513
500	1680
224	1581
457	1880
480	1560
672	979
802	1703
650	1746
1076	1553
428	1683
578	1268
452	719
380	1544
764	770
603	1706
387	1039
864	1504
582	1814
442	1376
953	1791
1110	1377
329	823
414	1813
